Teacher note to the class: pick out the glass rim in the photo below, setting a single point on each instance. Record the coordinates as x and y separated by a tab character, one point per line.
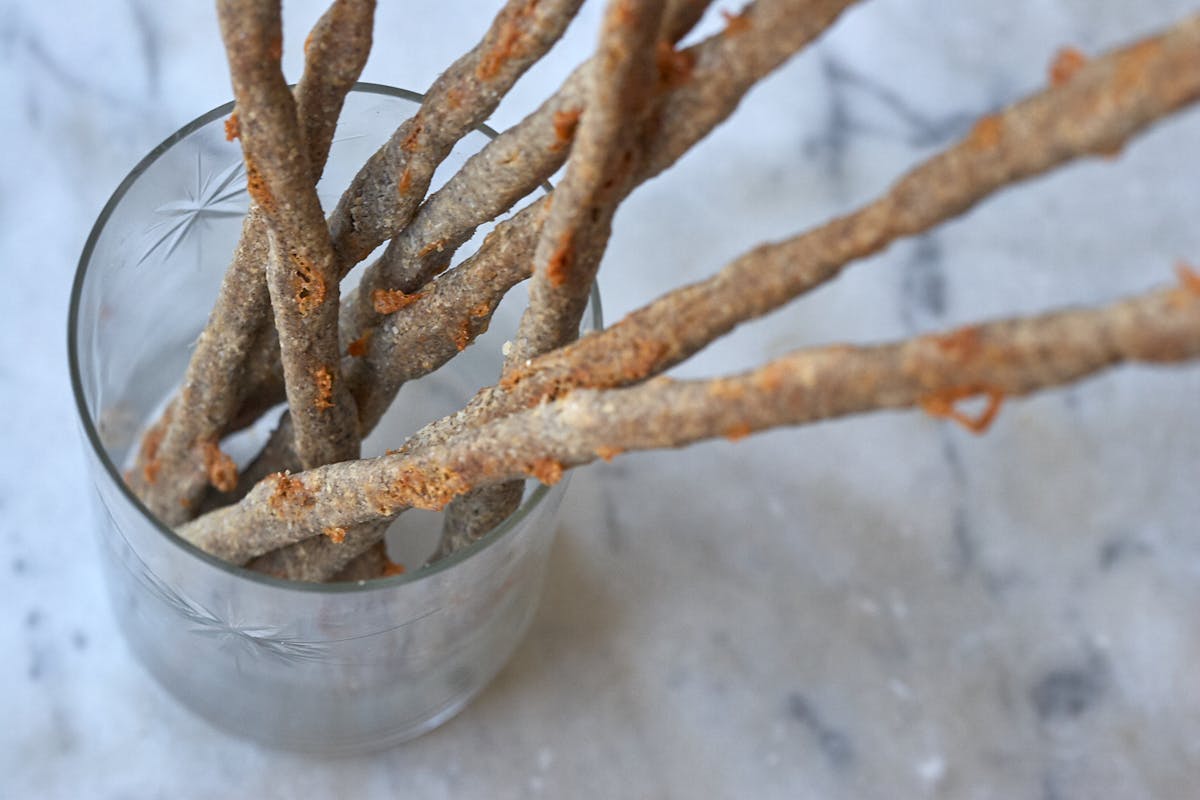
92	435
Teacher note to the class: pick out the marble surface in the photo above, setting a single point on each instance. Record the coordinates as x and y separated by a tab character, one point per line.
871	608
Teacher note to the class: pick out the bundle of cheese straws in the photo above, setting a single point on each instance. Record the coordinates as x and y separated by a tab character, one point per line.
309	508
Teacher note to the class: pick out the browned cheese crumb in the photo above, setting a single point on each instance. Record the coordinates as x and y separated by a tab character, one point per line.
941	405
1189	286
290	495
987	133
439	245
324	382
389	301
462	336
674	66
735	23
507	43
546	470
308	285
1067	62
738	432
222	472
959	345
358	348
256	186
558	266
565	123
608	453
151	442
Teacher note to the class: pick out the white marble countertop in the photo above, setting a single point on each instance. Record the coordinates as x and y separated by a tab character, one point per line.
872	608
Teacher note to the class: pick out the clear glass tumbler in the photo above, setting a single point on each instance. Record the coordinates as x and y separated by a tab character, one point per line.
330	668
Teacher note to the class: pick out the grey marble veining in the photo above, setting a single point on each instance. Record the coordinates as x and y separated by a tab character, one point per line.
870	608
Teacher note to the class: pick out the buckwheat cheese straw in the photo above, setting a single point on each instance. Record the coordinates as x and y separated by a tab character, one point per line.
301	268
578	224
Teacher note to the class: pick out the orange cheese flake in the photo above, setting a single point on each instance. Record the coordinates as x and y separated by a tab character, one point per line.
308	286
674	66
738	432
507	42
1133	65
1188	277
608	453
256	187
358	348
289	495
987	133
438	245
324	383
565	123
959	345
546	470
941	405
1067	63
389	301
149	451
558	266
462	336
735	23
222	471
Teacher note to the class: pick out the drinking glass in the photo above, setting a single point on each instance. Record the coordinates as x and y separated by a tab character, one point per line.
332	668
